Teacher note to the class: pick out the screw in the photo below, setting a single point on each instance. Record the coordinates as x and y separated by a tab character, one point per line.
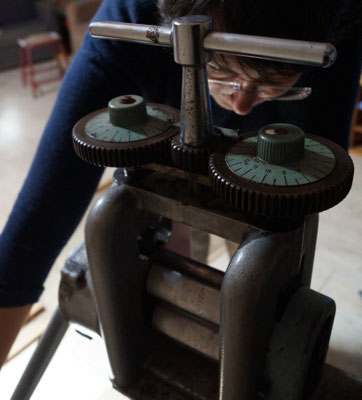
126	99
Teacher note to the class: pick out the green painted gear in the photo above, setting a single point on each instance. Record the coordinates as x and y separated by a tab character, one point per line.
318	180
128	133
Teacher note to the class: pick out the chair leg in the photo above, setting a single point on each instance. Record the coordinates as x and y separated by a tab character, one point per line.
31	72
63	58
42	356
22	66
57	57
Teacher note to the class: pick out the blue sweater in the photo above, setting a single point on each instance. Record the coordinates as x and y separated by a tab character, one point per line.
59	186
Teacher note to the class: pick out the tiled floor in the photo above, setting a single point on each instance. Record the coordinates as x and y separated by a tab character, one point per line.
81	364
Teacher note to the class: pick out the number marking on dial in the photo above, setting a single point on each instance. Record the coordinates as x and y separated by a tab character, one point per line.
99	127
317	163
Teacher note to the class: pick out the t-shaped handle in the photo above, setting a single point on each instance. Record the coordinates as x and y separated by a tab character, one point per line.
286	50
194	42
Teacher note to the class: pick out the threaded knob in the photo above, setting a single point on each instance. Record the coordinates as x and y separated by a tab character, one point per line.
127	110
123	136
280	143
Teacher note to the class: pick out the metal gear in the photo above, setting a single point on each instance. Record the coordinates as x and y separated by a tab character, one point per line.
99	141
252	195
194	159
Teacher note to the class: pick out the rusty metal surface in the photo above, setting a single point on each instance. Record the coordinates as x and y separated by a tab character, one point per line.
196	125
148	387
173	372
191	373
196	379
174	198
336	384
197	205
179	173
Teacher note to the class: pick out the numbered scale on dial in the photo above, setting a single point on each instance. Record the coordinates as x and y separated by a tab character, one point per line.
127	133
281	172
291	164
276	172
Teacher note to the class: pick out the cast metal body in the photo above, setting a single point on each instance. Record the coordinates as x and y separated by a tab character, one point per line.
174	328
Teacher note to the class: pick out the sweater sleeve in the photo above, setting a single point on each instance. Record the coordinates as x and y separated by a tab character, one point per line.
59	186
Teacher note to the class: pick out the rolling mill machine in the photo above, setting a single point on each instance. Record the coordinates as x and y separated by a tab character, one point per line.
175	328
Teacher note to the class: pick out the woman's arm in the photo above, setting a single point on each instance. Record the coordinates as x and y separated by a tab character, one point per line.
11	320
59	186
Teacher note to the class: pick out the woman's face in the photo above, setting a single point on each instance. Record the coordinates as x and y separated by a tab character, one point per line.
252	90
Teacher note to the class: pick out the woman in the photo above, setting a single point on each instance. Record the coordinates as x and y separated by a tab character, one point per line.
60	186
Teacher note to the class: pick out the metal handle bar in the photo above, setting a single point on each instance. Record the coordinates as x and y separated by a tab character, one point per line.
286	50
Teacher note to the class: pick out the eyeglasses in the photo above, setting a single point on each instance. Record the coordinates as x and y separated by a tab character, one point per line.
265	92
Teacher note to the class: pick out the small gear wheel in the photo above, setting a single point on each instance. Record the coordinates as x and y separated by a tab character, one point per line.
127	133
281	172
194	159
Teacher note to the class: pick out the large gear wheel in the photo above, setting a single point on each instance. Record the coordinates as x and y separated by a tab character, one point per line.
128	133
280	172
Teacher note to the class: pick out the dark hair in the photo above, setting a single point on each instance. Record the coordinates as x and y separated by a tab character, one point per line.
311	20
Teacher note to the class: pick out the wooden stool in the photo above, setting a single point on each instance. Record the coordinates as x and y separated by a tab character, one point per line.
36	41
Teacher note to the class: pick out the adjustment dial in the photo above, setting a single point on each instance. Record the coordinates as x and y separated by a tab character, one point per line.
127	133
281	172
281	144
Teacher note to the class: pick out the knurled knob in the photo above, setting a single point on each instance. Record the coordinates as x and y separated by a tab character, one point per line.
127	110
280	143
128	133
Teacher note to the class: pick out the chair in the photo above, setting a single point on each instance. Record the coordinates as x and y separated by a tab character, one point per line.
36	41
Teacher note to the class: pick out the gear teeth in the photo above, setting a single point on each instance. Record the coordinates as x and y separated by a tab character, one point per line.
124	154
121	157
290	204
194	159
